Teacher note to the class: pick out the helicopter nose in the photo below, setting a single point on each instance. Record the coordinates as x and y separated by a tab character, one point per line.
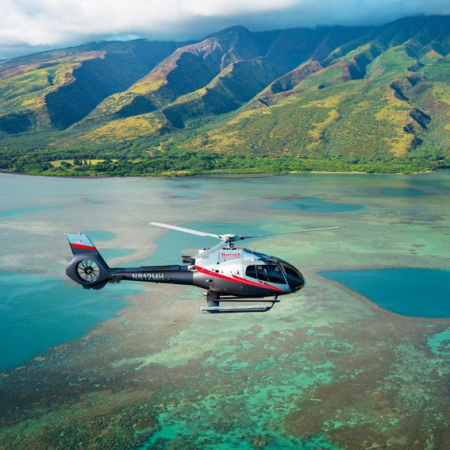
297	283
293	276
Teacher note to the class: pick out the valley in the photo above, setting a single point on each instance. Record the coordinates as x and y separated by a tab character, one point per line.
353	99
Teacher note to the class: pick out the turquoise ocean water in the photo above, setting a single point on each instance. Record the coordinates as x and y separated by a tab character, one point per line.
40	308
38	312
409	292
242	376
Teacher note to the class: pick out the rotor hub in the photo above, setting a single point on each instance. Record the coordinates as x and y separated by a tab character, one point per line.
88	270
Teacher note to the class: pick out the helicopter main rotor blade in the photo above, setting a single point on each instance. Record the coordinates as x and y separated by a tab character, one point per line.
286	232
184	230
230	238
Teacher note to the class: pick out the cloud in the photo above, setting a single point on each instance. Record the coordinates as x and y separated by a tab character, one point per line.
27	25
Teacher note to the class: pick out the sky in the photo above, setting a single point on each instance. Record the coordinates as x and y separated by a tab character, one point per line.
29	26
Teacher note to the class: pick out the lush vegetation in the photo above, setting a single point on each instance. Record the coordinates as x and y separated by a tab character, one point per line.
378	100
169	156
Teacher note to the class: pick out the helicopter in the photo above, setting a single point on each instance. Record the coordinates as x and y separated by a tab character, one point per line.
228	273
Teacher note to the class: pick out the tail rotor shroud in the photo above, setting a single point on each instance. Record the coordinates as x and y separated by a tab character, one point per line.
88	270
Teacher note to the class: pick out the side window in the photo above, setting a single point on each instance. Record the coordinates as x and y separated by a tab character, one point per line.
269	273
262	273
275	275
251	271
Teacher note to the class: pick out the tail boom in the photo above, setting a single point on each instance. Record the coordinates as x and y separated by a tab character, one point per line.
89	269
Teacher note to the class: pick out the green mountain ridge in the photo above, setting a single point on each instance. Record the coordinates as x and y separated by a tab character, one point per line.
329	98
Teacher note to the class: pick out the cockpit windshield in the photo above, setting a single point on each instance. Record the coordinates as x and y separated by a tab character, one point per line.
270	273
294	277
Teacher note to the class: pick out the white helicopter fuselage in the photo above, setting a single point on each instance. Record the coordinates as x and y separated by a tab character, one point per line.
228	273
242	272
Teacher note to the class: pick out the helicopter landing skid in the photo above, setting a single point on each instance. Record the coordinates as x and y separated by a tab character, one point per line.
213	304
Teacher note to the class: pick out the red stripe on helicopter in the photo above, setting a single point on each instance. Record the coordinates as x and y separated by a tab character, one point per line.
82	247
236	279
259	283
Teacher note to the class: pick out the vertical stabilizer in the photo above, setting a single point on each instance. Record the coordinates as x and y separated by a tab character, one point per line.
81	244
87	267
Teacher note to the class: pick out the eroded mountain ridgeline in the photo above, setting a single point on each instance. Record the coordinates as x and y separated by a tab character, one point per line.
330	98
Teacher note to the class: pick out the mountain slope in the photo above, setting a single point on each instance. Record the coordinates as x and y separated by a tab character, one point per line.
343	98
54	90
381	96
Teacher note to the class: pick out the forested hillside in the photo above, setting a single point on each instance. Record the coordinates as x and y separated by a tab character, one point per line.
373	99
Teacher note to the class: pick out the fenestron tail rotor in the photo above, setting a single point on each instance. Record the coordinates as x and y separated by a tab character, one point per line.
88	270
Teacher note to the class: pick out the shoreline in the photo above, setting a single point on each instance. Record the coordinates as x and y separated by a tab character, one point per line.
226	175
422	172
